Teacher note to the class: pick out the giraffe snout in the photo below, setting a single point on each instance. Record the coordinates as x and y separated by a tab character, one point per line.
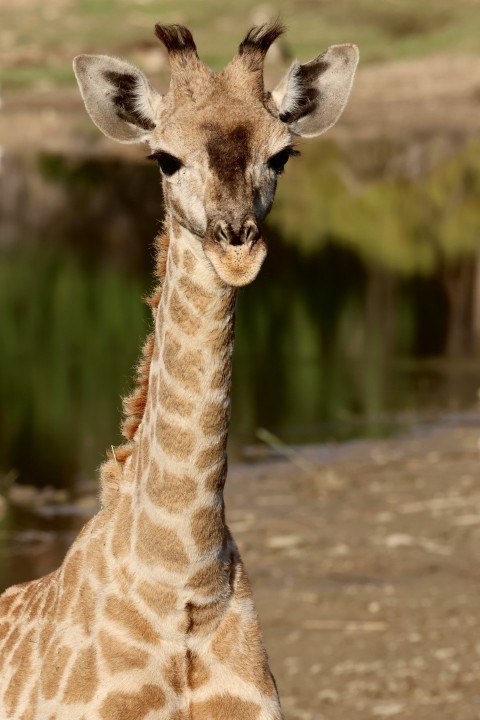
225	233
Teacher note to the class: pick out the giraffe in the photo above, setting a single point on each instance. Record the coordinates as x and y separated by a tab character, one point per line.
151	615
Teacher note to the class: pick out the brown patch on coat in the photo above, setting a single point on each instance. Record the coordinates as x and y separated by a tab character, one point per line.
126	614
215	479
70	580
119	656
84	612
6	603
210	456
22	661
208	527
121	539
181	314
156	544
50	595
176	441
174	672
162	600
10	641
170	491
182	365
210	580
200	298
180	715
32	600
175	255
53	667
203	619
132	706
83	681
189	262
224	706
215	417
173	402
197	672
124	577
4	630
220	377
45	636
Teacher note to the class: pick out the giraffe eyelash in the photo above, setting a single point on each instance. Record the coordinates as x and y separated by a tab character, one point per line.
278	161
168	164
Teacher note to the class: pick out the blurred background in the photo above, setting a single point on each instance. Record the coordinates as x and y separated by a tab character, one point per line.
364	323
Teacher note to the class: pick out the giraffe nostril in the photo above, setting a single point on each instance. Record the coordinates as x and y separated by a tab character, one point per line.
225	235
221	232
250	232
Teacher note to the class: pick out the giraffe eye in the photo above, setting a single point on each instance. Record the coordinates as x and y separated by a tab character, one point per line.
277	162
168	164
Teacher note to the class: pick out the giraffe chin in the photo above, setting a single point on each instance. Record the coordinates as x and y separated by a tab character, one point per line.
236	265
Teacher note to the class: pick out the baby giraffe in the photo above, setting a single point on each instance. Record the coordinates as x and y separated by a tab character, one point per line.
151	614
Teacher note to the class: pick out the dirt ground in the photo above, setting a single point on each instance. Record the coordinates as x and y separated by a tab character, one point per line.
367	577
365	572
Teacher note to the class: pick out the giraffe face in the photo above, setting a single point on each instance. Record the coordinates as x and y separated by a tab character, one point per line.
220	159
220	139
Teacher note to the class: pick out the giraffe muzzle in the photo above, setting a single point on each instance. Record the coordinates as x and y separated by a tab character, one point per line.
236	254
226	235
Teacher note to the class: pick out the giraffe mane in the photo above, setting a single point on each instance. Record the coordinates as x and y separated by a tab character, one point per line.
134	404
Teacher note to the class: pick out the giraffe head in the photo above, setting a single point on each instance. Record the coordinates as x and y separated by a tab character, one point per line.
221	140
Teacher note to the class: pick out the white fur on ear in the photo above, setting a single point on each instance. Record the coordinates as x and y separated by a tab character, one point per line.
312	96
118	97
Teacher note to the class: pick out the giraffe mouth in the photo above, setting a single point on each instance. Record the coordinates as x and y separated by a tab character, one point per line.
236	265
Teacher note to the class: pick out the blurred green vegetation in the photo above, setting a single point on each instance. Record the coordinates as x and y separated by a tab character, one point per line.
38	40
350	298
390	219
70	338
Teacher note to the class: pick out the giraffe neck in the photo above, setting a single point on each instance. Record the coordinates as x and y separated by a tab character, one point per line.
181	461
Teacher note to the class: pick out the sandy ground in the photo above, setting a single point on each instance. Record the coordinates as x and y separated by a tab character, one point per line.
365	571
367	578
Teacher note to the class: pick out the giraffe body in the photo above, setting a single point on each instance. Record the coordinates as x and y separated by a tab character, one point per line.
151	614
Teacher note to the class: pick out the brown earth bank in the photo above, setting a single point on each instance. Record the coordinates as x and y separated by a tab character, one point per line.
399	100
364	559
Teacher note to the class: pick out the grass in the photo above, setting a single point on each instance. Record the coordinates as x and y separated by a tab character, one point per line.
39	40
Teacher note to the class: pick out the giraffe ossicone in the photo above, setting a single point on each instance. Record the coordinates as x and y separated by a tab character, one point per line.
151	614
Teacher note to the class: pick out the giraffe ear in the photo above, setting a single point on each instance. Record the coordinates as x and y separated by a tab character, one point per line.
118	97
311	97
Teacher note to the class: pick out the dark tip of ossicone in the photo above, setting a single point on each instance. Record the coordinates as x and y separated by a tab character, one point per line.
176	38
259	38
